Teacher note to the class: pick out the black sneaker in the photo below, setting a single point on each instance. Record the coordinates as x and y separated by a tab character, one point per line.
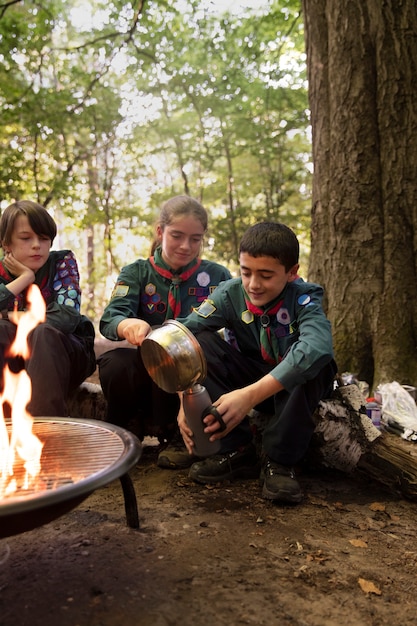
175	455
279	483
242	463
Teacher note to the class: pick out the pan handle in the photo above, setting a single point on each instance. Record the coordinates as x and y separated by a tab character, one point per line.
212	410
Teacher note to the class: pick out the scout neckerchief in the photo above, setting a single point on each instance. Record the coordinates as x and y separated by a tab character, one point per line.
174	300
269	344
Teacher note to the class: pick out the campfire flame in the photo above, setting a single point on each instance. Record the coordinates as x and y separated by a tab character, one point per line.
22	445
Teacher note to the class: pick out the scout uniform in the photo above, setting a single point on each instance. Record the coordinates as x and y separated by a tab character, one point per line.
62	349
147	289
142	291
299	355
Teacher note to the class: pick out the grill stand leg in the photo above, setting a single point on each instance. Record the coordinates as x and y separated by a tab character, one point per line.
131	506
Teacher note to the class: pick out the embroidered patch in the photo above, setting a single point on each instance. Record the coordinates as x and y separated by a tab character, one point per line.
150	289
247	317
281	331
283	316
120	291
203	279
206	309
199	293
69	302
152	300
304	299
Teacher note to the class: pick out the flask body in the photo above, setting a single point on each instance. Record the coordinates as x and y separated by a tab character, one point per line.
197	404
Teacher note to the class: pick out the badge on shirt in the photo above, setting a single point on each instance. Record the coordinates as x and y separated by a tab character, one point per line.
120	290
304	299
247	317
206	309
203	279
150	289
283	316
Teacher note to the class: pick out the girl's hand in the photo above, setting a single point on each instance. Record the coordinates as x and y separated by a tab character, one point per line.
133	330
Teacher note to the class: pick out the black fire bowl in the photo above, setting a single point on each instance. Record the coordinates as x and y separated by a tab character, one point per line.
78	457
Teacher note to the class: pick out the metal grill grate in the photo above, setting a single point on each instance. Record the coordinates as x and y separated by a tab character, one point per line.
78	457
71	452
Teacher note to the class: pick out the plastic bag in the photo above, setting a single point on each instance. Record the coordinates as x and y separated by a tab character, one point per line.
398	407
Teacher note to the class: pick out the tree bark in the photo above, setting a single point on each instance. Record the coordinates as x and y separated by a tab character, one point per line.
362	63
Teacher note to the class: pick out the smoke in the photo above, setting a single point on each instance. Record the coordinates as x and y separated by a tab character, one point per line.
4	552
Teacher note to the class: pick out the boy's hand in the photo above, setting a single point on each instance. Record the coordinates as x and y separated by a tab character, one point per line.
233	407
17	268
186	432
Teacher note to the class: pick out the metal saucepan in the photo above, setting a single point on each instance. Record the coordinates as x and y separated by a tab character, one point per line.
173	357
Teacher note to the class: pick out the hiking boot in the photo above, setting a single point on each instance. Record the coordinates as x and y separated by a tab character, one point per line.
279	483
175	455
242	463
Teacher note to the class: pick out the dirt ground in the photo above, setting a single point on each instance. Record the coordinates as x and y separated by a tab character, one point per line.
217	556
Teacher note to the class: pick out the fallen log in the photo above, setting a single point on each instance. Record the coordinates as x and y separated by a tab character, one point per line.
344	433
88	402
345	439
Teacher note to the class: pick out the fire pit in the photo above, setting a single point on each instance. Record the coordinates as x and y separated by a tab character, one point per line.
78	456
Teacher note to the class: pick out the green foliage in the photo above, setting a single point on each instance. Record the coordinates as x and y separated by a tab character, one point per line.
110	108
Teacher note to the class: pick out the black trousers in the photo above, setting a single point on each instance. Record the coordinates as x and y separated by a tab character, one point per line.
57	364
289	430
134	401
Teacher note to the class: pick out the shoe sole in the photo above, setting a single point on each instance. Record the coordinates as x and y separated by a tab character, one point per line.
165	463
242	473
282	496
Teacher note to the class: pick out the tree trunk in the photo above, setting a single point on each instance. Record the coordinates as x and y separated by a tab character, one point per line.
362	63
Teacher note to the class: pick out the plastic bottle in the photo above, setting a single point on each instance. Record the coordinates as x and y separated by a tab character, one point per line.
197	404
373	411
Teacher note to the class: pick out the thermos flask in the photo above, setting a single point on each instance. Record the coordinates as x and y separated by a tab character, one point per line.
197	404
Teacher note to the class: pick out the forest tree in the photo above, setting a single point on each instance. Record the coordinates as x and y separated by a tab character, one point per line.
362	64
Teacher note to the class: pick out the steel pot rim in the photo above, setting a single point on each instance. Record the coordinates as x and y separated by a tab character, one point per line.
173	357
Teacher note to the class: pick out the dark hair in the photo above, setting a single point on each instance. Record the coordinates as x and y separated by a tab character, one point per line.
38	217
179	206
272	239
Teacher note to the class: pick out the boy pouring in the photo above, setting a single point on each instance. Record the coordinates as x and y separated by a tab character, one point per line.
280	361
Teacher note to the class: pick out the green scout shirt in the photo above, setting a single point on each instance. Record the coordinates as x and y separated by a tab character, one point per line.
301	327
140	292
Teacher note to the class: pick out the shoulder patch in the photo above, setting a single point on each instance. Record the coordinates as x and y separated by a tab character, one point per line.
206	309
120	290
304	299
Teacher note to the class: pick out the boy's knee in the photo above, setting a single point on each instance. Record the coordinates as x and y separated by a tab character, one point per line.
44	333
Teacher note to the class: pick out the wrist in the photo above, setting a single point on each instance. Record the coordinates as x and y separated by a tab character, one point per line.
30	274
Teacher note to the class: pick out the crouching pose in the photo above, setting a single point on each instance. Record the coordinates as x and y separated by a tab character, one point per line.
169	283
281	362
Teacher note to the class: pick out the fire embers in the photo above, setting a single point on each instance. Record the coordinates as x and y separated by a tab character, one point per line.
20	448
